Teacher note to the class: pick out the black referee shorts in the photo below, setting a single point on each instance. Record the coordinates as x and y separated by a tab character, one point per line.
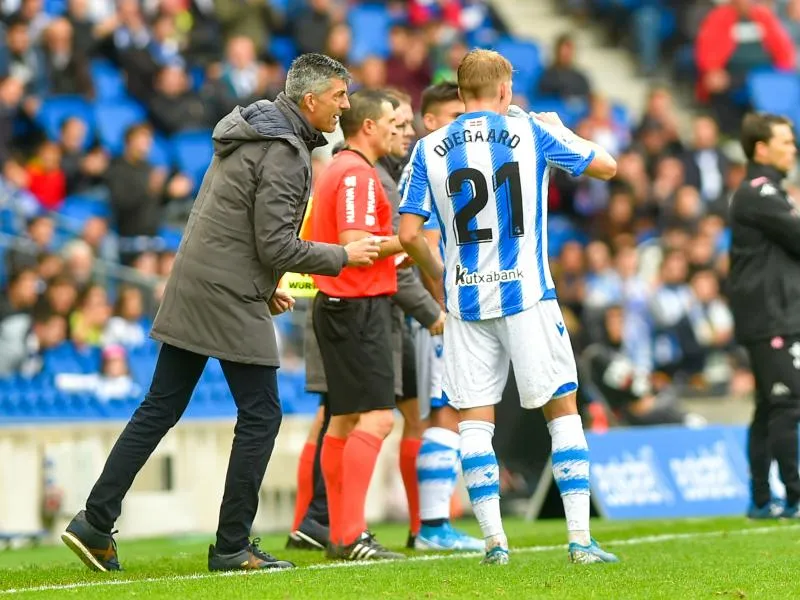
409	368
355	341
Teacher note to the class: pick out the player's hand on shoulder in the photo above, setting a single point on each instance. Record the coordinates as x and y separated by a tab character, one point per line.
438	327
550	118
363	252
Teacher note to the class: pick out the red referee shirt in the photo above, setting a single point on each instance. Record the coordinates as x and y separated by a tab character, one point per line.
349	195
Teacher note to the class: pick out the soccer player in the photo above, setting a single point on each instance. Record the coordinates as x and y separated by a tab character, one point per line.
353	325
485	176
437	463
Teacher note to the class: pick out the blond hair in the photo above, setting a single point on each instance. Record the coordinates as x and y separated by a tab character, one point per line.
480	74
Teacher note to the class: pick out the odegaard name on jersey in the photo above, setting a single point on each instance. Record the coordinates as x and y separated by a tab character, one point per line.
493	136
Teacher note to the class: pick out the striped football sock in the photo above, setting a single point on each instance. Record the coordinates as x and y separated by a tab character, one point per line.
482	476
571	472
437	470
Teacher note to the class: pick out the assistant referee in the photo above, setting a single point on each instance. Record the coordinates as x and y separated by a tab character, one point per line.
764	291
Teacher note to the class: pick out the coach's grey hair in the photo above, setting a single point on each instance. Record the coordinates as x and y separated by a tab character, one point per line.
312	73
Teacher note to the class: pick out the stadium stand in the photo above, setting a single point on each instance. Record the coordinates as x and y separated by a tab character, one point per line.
651	243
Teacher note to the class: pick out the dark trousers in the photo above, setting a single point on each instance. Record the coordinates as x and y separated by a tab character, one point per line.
318	508
255	391
773	431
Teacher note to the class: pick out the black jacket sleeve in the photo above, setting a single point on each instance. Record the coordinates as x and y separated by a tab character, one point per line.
772	213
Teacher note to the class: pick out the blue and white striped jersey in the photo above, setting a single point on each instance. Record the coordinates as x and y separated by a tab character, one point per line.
485	177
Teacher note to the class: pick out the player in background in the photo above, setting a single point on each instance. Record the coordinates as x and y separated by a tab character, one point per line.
437	463
485	176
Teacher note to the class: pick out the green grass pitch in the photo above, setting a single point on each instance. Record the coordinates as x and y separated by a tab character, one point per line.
701	558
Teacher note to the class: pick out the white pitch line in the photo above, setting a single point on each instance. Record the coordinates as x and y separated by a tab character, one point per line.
649	539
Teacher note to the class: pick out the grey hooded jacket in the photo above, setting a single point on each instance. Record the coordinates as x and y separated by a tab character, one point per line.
242	236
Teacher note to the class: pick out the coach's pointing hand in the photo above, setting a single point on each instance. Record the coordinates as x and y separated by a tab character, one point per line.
363	252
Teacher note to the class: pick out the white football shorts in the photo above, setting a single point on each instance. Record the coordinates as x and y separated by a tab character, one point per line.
429	354
535	341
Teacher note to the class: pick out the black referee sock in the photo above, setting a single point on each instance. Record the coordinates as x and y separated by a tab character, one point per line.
435	522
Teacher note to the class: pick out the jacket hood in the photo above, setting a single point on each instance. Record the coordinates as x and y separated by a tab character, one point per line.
264	120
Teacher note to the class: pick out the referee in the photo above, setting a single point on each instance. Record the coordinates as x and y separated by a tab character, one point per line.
764	291
353	322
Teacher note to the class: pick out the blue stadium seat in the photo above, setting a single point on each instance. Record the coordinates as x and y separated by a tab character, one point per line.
774	91
371	26
141	368
81	208
283	49
55	7
171	237
113	118
108	81
57	108
525	56
570	112
160	153
193	151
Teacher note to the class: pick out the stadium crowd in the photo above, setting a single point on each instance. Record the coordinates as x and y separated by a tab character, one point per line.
640	262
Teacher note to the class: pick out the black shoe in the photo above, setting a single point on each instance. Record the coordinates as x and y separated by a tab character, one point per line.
311	535
364	548
97	549
411	541
251	558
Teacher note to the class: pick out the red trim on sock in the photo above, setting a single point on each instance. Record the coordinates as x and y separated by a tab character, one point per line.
305	483
409	450
358	463
331	464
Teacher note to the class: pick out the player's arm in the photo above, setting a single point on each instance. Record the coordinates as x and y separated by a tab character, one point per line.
434	286
570	152
356	217
415	209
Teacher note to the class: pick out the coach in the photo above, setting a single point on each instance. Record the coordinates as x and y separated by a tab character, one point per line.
764	290
240	238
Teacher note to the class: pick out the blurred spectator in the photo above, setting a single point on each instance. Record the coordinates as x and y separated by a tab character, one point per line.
562	79
88	321
83	27
31	12
454	54
660	110
26	337
46	179
61	295
734	40
22	61
79	260
603	129
408	68
128	327
11	93
310	28
84	171
49	266
668	179
174	107
712	320
240	79
372	73
602	282
165	47
620	384
21	294
705	165
246	18
618	218
67	70
138	190
26	251
113	382
126	39
569	277
338	42
95	234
